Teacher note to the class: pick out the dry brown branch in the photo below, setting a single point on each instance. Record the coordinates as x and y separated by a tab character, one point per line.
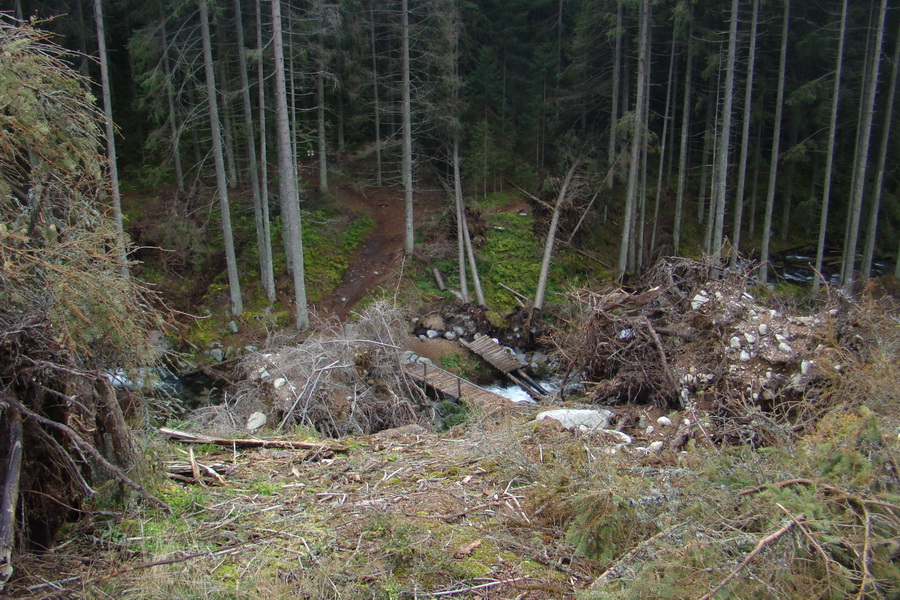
95	454
759	548
192	438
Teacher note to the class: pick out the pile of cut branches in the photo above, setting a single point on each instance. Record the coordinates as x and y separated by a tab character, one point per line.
337	383
695	334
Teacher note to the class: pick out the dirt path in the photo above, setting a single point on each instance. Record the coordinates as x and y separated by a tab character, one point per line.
379	256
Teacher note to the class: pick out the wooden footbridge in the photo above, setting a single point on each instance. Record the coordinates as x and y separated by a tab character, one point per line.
456	387
504	362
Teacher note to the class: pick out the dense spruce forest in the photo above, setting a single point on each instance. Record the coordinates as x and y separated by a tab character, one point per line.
532	299
691	126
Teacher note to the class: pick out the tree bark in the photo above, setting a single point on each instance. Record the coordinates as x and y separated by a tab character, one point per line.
290	208
663	145
776	145
614	103
110	137
872	229
683	150
551	235
634	168
174	130
265	251
377	106
320	115
725	139
407	131
745	137
234	284
269	270
859	182
460	224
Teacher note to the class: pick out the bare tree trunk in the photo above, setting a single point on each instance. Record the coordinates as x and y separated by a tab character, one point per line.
754	193
662	146
174	130
234	284
639	122
872	229
683	150
9	495
110	137
788	198
290	207
227	130
320	119
705	162
407	132
377	106
614	104
551	235
725	139
745	138
460	218
776	145
473	267
856	199
265	251
269	273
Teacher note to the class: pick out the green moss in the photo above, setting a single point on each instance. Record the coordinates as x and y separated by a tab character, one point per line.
468	568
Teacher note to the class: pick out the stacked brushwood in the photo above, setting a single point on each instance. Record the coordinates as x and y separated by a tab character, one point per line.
337	383
68	309
693	335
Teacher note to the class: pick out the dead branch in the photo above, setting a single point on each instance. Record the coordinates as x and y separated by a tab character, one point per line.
759	548
191	438
95	454
475	587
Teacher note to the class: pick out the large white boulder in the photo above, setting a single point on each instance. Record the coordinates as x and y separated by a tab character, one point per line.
584	419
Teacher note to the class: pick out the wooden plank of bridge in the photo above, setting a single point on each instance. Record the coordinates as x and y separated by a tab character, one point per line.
491	351
457	387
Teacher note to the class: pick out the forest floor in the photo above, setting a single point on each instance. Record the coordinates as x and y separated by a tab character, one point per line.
502	507
380	255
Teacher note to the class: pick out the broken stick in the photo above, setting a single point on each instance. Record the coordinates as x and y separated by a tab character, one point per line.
191	438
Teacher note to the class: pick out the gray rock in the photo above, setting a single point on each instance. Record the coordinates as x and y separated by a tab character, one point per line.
431	334
745	356
735	342
784	347
251	349
699	300
256	421
664	421
578	418
623	438
450	335
763	329
656	446
279	382
217	354
233	327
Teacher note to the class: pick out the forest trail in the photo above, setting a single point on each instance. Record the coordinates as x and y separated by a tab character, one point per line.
379	256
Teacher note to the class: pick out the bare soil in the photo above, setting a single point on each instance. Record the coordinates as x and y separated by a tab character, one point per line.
380	255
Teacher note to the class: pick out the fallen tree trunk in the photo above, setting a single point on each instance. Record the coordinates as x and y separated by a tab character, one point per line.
191	438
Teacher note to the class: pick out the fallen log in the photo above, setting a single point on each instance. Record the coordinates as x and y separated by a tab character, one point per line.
192	438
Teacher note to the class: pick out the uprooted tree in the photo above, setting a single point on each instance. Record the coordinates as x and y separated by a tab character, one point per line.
67	312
